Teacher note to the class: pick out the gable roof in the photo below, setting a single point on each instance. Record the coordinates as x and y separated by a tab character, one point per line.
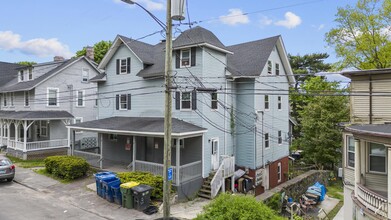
8	72
35	115
14	85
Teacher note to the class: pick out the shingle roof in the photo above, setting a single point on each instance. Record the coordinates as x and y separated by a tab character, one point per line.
35	115
98	77
143	50
250	58
157	69
8	72
139	125
381	130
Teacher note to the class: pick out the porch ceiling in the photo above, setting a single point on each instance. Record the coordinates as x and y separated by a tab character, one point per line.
380	130
35	115
139	126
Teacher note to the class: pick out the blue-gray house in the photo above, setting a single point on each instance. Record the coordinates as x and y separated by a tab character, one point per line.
230	109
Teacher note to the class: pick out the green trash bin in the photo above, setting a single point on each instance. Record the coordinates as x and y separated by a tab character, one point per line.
127	194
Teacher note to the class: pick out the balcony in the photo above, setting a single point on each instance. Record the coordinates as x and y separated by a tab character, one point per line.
371	202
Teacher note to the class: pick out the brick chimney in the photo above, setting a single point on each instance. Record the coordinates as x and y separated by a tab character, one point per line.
90	53
58	58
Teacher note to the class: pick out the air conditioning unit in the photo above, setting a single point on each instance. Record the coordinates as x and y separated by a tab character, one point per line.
340	172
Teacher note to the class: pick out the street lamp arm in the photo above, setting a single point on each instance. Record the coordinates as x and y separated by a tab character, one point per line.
160	23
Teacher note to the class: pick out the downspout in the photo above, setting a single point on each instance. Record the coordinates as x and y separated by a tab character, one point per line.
370	99
263	154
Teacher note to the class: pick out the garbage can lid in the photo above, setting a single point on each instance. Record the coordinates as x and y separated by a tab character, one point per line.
141	188
129	185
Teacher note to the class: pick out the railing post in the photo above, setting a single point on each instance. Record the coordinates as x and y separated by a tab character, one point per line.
25	136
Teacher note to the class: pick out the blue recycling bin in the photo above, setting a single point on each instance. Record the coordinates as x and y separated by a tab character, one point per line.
106	186
99	177
117	195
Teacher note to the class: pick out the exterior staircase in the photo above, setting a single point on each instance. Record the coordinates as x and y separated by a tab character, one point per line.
206	189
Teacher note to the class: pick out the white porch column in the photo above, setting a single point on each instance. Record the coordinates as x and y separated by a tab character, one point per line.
1	131
70	152
389	182
25	128
357	168
134	153
178	160
16	132
8	133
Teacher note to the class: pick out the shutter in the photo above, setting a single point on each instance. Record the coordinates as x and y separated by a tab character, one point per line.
194	99
117	102
177	100
178	59
118	66
129	101
193	56
128	65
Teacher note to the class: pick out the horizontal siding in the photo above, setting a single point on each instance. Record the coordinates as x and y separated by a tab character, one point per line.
348	175
376	182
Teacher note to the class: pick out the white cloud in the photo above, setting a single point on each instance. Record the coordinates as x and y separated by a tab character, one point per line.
291	21
321	26
234	17
148	4
265	21
39	46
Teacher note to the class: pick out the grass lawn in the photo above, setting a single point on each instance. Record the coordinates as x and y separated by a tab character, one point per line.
27	163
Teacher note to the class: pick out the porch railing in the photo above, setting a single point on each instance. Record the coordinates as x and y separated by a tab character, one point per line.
17	145
91	158
226	169
39	145
154	168
190	171
372	200
4	141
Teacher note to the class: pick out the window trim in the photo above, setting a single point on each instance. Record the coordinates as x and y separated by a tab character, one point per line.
57	97
41	126
181	58
120	102
266	140
214	102
82	98
12	99
269	67
30	74
87	77
27	98
277	69
75	121
266	102
279	103
279	171
348	151
190	103
113	137
126	65
369	159
279	135
21	76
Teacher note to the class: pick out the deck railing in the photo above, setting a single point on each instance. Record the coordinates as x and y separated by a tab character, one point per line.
372	200
226	169
190	171
17	145
91	158
40	145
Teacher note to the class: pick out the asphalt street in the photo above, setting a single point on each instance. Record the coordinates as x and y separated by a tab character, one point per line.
20	202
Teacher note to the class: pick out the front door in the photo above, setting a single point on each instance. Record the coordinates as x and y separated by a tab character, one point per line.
215	154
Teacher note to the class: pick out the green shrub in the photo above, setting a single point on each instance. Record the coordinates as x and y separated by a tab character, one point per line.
144	178
66	167
274	202
237	207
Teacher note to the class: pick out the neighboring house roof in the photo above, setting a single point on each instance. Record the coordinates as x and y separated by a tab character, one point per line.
380	130
8	72
14	85
35	115
349	74
139	125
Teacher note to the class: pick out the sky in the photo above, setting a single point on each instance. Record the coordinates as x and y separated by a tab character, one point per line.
41	29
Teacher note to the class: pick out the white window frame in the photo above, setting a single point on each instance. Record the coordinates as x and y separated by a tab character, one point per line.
214	101
369	158
279	103
269	67
182	100
182	60
266	102
75	122
279	171
85	75
181	143
12	99
43	127
57	97
26	98
78	98
266	140
279	133
348	138
121	65
277	69
21	76
113	137
121	103
30	74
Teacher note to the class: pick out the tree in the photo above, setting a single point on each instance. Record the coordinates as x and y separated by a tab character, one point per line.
26	63
362	35
100	49
304	67
321	137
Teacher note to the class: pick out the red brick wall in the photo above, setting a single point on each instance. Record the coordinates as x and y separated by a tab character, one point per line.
273	175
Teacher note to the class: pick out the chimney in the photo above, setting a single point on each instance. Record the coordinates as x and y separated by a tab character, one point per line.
90	53
58	58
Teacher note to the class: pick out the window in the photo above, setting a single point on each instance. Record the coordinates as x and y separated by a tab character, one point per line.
277	69
214	100
113	137
43	128
85	75
350	151
123	66
30	73
5	99
279	172
80	98
21	76
186	100
26	99
123	102
279	137
12	96
53	97
377	158
269	67
185	58
266	140
279	103
266	102
78	120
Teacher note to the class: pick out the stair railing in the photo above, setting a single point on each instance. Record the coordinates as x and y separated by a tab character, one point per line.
226	169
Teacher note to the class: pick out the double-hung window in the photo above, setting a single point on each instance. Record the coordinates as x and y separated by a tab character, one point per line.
214	100
269	67
279	172
186	100
123	66
123	102
43	128
377	157
277	69
185	58
53	94
21	76
26	98
266	102
350	151
80	98
30	73
85	75
266	140
5	99
279	137
279	102
12	96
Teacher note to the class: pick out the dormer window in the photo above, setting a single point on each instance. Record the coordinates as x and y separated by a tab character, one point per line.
30	73
269	67
21	76
185	58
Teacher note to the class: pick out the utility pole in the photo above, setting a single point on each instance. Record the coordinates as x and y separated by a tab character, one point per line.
167	115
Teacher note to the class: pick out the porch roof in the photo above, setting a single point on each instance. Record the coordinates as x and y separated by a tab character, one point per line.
380	130
139	126
35	115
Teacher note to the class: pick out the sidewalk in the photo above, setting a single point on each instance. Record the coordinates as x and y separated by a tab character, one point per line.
78	195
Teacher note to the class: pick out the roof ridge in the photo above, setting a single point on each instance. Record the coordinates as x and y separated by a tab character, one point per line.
254	41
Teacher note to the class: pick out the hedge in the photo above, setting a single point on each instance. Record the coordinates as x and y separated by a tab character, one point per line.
144	178
66	167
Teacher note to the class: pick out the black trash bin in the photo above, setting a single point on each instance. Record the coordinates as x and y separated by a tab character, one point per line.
141	196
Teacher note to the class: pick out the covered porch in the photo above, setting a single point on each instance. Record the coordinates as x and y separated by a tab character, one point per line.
34	134
137	143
